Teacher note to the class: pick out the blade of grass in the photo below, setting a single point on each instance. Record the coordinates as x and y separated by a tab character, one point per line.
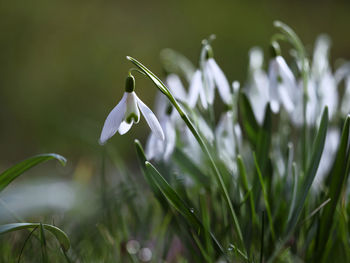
142	160
61	236
188	166
266	200
262	237
311	170
336	181
250	125
43	244
220	181
176	202
13	172
243	173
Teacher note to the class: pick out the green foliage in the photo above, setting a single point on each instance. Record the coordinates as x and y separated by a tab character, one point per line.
253	186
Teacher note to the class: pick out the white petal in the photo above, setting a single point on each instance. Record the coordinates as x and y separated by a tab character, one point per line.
113	120
151	119
151	147
124	127
320	57
220	81
285	98
170	136
132	111
256	58
204	98
176	87
196	86
285	72
345	107
205	130
209	83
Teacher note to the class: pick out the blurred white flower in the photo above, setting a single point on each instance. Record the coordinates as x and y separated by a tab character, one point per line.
273	88
196	91
228	139
175	85
282	84
328	156
322	83
343	73
127	112
204	82
162	149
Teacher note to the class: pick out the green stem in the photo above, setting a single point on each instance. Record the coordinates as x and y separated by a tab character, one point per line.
160	85
217	174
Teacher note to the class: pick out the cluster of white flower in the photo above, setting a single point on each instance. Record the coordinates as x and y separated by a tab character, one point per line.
280	86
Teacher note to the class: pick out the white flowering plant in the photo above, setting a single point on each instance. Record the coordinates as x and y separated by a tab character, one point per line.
256	174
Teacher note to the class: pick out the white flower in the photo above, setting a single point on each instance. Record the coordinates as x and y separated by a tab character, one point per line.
228	139
155	147
162	149
322	80
196	90
127	112
328	156
343	73
262	88
203	85
175	85
282	83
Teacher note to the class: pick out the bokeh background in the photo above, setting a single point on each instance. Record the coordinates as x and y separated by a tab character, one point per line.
63	66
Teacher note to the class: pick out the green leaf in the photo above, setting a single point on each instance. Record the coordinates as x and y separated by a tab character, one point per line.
291	36
263	151
336	179
142	159
243	175
43	244
61	237
266	200
13	172
311	170
250	125
149	74
191	168
175	201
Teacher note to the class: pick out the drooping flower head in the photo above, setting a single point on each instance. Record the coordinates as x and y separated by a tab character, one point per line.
127	112
206	79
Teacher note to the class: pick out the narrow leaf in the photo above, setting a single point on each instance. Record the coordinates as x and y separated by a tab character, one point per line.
337	181
250	125
311	170
175	200
13	172
61	237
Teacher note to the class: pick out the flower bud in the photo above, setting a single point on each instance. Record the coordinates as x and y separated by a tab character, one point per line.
275	49
130	83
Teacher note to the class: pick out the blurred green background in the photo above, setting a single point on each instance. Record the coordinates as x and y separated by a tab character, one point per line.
63	66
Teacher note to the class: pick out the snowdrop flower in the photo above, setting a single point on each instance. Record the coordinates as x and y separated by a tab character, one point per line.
322	79
259	83
127	112
157	148
343	73
328	156
228	139
175	85
282	84
205	81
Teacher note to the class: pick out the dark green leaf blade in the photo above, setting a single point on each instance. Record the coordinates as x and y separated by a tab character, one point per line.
311	170
250	125
58	233
336	181
13	172
175	200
